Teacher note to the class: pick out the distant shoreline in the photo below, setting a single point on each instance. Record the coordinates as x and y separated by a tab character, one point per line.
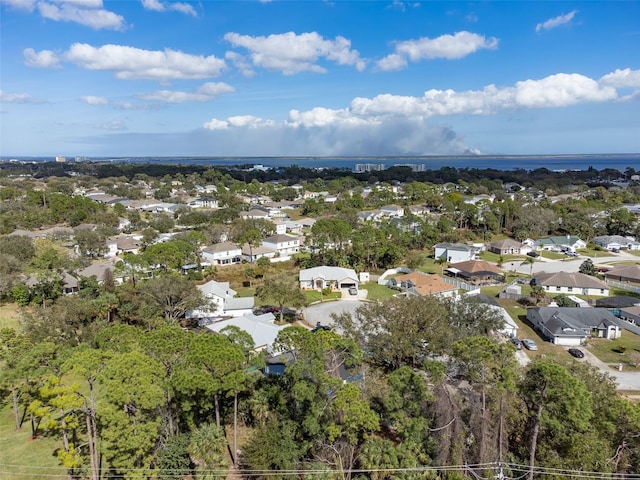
557	162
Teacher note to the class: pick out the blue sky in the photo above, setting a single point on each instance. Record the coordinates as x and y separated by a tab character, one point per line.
318	78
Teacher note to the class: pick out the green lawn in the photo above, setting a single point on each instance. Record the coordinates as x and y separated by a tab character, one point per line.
610	351
494	257
23	457
552	255
313	296
378	292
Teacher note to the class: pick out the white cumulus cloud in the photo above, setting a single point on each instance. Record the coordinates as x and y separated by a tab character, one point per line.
556	21
41	59
622	78
158	6
16	98
93	100
85	12
134	63
291	53
204	93
447	46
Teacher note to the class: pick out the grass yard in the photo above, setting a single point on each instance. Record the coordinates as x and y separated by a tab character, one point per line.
23	457
495	258
552	255
314	296
9	315
377	292
625	350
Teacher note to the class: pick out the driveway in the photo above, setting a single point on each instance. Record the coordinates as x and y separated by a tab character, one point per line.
321	312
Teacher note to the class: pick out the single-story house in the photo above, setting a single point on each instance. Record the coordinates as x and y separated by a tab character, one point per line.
477	272
573	325
571	283
455	252
560	243
631	314
336	278
422	284
616	242
223	253
624	274
262	329
507	246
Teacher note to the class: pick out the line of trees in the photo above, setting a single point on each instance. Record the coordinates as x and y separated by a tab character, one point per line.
410	383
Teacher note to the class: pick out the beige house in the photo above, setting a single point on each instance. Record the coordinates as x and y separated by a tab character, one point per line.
507	246
571	283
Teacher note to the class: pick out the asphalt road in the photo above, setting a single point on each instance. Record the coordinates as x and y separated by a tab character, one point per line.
567	264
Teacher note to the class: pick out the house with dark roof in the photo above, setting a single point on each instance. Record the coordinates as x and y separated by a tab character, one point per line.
570	283
476	272
624	274
422	284
573	325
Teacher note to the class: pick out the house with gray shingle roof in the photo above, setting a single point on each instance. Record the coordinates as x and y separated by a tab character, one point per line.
571	283
560	243
616	242
508	246
262	329
573	325
318	278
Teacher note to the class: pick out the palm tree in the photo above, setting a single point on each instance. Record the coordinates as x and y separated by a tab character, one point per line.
530	261
206	449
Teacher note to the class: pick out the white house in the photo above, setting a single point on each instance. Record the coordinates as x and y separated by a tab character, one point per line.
571	283
616	242
284	245
253	254
392	211
560	243
573	325
456	252
319	278
222	301
262	329
223	253
204	202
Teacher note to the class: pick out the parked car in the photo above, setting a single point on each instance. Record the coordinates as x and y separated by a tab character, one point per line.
570	253
529	344
516	342
353	290
576	352
533	254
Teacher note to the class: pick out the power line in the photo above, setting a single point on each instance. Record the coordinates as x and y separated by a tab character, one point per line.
498	467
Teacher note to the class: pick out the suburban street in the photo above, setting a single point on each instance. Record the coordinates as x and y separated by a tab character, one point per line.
321	313
568	264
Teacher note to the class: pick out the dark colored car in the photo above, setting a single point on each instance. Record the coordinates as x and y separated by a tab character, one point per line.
576	352
533	254
516	342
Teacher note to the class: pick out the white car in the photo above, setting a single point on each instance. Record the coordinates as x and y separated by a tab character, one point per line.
529	344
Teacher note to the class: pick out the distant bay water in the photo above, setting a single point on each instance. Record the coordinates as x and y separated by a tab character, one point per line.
618	162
